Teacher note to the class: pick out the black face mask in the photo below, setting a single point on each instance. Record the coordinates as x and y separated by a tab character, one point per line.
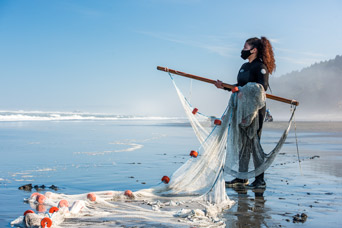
245	54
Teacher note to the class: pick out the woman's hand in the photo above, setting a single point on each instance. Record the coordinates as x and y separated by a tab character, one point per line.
218	84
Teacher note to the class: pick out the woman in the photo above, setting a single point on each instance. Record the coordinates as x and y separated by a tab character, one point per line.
260	63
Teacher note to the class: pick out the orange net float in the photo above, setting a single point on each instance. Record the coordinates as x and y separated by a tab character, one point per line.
128	193
195	111
217	122
41	208
91	197
28	212
235	89
46	222
41	198
194	154
35	194
53	210
166	179
63	203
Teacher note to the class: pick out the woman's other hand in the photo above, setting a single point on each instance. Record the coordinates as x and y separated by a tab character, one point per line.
218	84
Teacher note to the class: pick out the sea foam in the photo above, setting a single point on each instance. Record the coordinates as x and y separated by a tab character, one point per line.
63	116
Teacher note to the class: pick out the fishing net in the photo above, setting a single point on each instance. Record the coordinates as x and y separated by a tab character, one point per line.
194	194
240	121
243	140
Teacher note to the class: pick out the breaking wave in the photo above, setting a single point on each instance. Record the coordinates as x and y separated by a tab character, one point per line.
63	116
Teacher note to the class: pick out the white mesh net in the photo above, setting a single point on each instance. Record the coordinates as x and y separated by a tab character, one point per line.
195	194
243	139
239	141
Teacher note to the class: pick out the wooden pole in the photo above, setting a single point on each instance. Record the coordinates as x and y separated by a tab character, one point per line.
270	96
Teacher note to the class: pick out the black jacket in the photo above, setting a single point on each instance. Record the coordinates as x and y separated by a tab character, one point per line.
255	71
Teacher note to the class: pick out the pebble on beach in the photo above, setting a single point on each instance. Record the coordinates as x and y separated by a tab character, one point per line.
300	218
28	187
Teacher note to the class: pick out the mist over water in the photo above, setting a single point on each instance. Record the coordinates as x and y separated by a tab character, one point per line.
317	88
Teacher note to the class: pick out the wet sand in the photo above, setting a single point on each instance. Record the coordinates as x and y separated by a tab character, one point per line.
314	189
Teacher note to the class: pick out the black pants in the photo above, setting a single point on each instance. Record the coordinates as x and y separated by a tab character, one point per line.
262	113
247	149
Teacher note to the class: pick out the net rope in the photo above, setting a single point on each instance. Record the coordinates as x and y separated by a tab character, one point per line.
243	141
196	193
241	120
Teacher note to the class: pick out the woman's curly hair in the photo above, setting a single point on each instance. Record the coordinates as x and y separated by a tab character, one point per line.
265	51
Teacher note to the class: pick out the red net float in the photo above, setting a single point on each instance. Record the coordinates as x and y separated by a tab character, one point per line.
194	154
35	194
91	197
41	208
41	198
28	212
46	222
53	210
166	179
195	111
235	89
128	193
217	122
63	203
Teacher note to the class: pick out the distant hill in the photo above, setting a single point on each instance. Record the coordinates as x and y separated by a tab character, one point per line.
318	88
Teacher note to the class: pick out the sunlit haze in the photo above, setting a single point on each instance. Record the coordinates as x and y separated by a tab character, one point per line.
101	56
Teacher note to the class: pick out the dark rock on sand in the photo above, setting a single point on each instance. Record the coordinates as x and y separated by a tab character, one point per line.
53	187
300	218
39	188
26	187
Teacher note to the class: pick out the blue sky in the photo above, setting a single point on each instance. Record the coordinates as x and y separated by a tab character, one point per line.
101	56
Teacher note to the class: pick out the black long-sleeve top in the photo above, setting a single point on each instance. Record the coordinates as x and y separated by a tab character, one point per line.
256	71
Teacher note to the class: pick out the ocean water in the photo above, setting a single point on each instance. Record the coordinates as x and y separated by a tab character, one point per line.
86	155
80	154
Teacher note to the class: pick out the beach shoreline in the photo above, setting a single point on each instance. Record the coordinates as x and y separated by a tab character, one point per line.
312	188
